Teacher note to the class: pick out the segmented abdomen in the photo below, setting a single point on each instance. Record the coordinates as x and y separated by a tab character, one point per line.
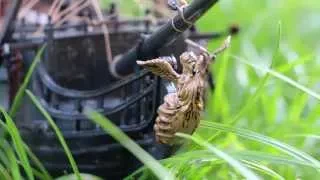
172	119
167	114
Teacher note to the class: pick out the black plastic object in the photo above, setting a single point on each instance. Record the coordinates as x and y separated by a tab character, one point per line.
164	35
73	76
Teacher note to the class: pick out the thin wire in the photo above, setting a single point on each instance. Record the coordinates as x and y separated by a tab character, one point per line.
181	13
174	26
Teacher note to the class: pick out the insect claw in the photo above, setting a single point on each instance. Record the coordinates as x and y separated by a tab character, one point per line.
224	46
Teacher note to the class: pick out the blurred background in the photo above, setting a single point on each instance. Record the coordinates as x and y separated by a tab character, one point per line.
281	109
276	36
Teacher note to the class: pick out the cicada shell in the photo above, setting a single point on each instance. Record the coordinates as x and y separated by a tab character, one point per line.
181	111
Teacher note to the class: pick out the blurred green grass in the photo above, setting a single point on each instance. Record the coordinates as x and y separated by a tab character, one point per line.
278	110
281	111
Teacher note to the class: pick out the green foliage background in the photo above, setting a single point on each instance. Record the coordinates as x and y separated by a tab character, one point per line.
261	120
249	98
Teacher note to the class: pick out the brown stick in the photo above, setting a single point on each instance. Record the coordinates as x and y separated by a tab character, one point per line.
71	14
53	5
70	9
105	30
56	10
27	8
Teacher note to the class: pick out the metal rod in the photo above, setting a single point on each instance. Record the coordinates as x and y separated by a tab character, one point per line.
211	35
165	34
111	23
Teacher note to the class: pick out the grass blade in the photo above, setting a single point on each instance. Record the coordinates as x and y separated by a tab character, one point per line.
38	163
314	136
32	156
18	144
262	168
220	72
158	170
14	167
18	98
252	100
199	156
281	77
247	105
233	162
262	83
58	133
4	173
243	155
4	159
263	139
38	174
289	66
271	158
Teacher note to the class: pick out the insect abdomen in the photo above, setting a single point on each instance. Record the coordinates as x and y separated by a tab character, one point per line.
167	112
